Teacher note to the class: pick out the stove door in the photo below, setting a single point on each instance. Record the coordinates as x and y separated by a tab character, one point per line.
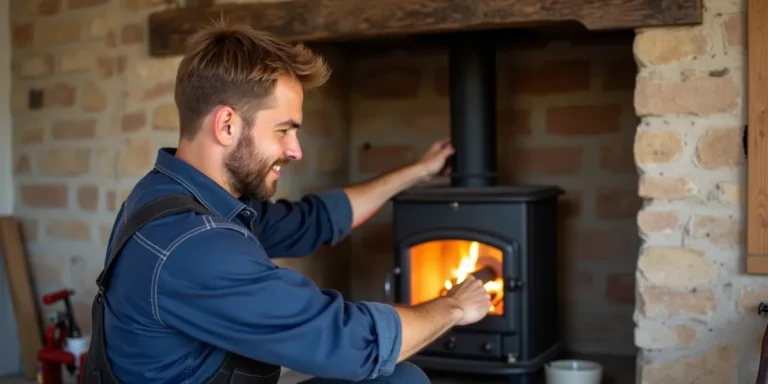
430	263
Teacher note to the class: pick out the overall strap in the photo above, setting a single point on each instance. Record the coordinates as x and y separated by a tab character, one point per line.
97	368
161	207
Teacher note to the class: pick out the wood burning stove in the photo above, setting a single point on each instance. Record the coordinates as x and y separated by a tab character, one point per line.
505	235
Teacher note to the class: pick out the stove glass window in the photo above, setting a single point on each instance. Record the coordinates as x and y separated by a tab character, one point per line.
438	265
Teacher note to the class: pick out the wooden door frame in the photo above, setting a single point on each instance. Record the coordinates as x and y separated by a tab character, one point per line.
757	142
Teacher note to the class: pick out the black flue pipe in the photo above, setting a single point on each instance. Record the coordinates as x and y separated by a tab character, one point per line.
472	80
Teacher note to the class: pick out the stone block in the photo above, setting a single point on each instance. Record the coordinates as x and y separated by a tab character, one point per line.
23	35
74	129
666	45
657	147
52	195
29	132
80	60
35	66
652	221
715	366
657	336
68	161
93	98
719	230
735	29
166	117
666	187
68	229
662	303
721	147
699	96
137	158
133	122
676	268
88	197
132	34
59	32
59	95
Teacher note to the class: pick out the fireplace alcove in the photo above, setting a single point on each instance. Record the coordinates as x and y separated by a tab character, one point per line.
378	28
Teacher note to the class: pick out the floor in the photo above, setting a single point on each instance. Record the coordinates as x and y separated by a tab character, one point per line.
617	370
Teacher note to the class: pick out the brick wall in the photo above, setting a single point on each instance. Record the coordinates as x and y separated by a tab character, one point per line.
105	108
565	117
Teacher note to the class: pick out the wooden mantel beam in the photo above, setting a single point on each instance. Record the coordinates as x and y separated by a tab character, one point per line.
339	20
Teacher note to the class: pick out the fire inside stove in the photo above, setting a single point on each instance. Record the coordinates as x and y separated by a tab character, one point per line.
437	266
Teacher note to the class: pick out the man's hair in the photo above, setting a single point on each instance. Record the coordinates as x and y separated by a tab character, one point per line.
238	66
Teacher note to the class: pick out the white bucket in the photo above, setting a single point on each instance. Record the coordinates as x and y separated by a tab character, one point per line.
573	372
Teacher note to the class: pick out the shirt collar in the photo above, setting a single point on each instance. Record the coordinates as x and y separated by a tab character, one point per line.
207	191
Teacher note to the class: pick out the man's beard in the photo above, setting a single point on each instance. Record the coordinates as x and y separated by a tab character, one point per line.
247	171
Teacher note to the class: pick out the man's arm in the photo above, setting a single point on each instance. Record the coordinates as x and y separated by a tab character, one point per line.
218	288
424	323
297	228
368	197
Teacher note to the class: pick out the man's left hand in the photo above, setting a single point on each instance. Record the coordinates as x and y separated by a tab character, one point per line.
433	163
367	198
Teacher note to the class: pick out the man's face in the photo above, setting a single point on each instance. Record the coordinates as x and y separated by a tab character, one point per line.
253	167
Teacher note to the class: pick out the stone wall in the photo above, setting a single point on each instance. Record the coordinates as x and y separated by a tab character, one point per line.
90	109
696	310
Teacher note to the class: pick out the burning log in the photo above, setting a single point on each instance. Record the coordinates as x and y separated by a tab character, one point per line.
485	274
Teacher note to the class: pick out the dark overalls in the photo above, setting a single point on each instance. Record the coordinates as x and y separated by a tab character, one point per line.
234	370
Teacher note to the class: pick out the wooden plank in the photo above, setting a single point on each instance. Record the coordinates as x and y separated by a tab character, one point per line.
339	20
757	142
757	265
28	322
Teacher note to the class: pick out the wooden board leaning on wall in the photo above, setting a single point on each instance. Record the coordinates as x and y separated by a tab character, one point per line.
22	291
757	139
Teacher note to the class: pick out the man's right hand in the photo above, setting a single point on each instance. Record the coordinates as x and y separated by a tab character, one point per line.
466	303
474	300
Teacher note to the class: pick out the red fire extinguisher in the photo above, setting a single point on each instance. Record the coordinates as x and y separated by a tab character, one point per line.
64	343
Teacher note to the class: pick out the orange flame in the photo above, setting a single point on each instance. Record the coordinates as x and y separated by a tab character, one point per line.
467	265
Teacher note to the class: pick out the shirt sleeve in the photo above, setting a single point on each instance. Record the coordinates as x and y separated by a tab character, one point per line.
219	287
297	228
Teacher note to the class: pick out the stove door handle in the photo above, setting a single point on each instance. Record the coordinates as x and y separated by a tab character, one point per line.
388	281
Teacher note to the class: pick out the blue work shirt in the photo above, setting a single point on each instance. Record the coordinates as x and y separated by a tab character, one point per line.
189	287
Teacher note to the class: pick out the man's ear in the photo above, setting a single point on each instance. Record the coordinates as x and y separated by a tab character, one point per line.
226	126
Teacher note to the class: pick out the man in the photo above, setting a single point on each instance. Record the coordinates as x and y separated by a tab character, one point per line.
191	292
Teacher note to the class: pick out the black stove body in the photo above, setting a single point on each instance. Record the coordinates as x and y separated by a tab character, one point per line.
506	234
